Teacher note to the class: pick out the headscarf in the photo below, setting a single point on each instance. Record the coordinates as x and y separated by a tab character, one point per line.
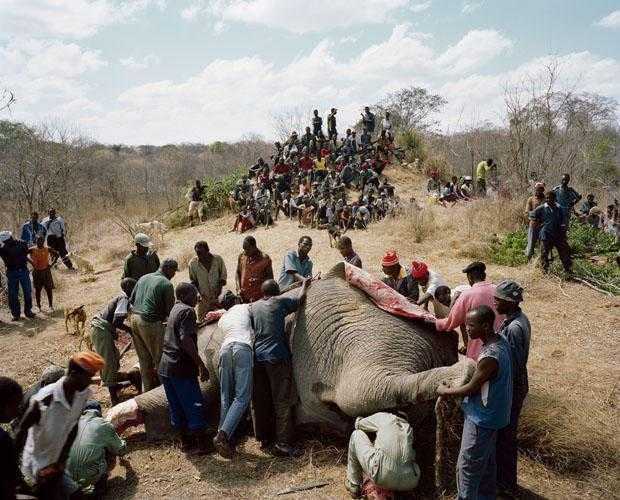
390	258
418	270
89	361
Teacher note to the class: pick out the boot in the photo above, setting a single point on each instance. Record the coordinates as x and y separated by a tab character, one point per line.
202	444
222	445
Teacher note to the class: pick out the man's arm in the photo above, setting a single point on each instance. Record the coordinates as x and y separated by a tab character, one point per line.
269	270
125	269
238	274
168	299
303	293
193	278
111	440
30	418
188	327
423	301
455	318
485	370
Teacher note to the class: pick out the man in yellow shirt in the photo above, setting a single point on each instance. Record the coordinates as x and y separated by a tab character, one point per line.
482	170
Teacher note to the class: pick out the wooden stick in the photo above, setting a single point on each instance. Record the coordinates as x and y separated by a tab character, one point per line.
588	284
303	487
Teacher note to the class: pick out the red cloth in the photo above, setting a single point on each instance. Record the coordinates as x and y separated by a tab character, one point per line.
390	258
382	295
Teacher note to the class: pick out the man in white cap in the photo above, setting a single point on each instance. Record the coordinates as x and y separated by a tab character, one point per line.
143	260
14	253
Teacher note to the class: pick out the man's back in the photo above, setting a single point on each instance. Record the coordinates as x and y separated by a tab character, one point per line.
268	317
137	266
153	297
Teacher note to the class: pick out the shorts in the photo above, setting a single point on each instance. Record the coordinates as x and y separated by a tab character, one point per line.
194	209
42	279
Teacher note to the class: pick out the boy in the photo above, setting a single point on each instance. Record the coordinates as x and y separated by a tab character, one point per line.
42	271
179	369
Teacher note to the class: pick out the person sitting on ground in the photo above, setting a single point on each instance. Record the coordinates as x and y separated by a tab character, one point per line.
11	395
587	205
14	254
208	274
56	232
152	300
31	229
104	331
253	269
273	389
595	218
345	246
179	370
245	219
362	217
467	188
388	460
428	280
296	265
398	277
50	424
42	271
533	230
94	451
236	361
143	260
516	330
486	407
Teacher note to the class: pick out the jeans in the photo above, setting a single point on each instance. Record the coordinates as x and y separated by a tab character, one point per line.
185	403
475	469
507	447
16	278
235	370
532	239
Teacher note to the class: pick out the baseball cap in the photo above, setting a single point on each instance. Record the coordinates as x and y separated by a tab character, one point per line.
509	290
143	240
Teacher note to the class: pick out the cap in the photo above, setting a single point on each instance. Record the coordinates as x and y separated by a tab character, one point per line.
509	290
89	361
390	258
143	240
475	266
418	270
5	235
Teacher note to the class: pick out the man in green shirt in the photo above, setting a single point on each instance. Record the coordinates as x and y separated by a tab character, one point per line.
208	274
143	260
152	300
482	170
94	451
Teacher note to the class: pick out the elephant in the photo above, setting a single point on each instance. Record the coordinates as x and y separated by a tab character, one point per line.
350	358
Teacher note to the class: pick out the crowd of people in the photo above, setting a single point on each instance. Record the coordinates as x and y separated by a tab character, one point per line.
310	178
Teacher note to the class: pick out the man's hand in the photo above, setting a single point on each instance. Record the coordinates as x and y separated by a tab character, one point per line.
203	372
443	389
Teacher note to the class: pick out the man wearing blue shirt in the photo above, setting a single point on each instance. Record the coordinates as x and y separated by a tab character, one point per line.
566	196
486	406
272	391
31	229
551	219
297	265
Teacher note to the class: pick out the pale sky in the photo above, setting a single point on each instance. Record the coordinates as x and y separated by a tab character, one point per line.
169	71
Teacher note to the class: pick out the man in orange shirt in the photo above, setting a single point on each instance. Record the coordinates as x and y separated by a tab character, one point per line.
41	271
253	269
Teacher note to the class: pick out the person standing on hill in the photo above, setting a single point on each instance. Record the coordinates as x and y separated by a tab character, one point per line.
253	269
56	236
368	120
481	293
195	202
516	330
566	197
332	130
42	271
533	231
208	274
152	300
317	124
14	253
31	229
486	407
143	260
552	221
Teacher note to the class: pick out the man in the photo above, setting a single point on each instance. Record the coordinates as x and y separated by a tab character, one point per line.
482	171
14	253
208	274
253	269
533	231
195	202
272	392
586	206
389	461
445	299
179	370
566	197
486	407
332	131
94	451
551	220
236	363
368	120
317	124
31	229
51	426
152	300
516	330
42	271
104	331
345	246
11	395
296	265
481	293
56	231
428	280
386	124
143	260
398	278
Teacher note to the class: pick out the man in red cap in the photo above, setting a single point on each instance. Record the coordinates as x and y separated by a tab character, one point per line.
51	426
398	278
428	280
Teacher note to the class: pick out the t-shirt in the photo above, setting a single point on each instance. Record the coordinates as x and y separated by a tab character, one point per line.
490	407
153	297
236	326
9	466
292	262
354	260
14	253
320	164
269	317
116	309
210	280
482	170
175	362
40	258
551	220
137	266
253	272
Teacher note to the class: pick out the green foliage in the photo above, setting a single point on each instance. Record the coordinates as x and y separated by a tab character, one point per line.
177	218
510	250
216	192
412	142
584	240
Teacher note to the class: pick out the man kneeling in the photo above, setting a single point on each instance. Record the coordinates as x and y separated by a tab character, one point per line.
389	462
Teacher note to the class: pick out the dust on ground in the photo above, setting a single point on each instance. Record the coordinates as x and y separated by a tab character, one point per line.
571	414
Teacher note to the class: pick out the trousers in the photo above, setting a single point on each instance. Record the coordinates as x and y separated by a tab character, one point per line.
532	239
148	339
507	450
235	371
560	243
59	244
102	336
185	403
381	468
16	278
272	401
476	469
